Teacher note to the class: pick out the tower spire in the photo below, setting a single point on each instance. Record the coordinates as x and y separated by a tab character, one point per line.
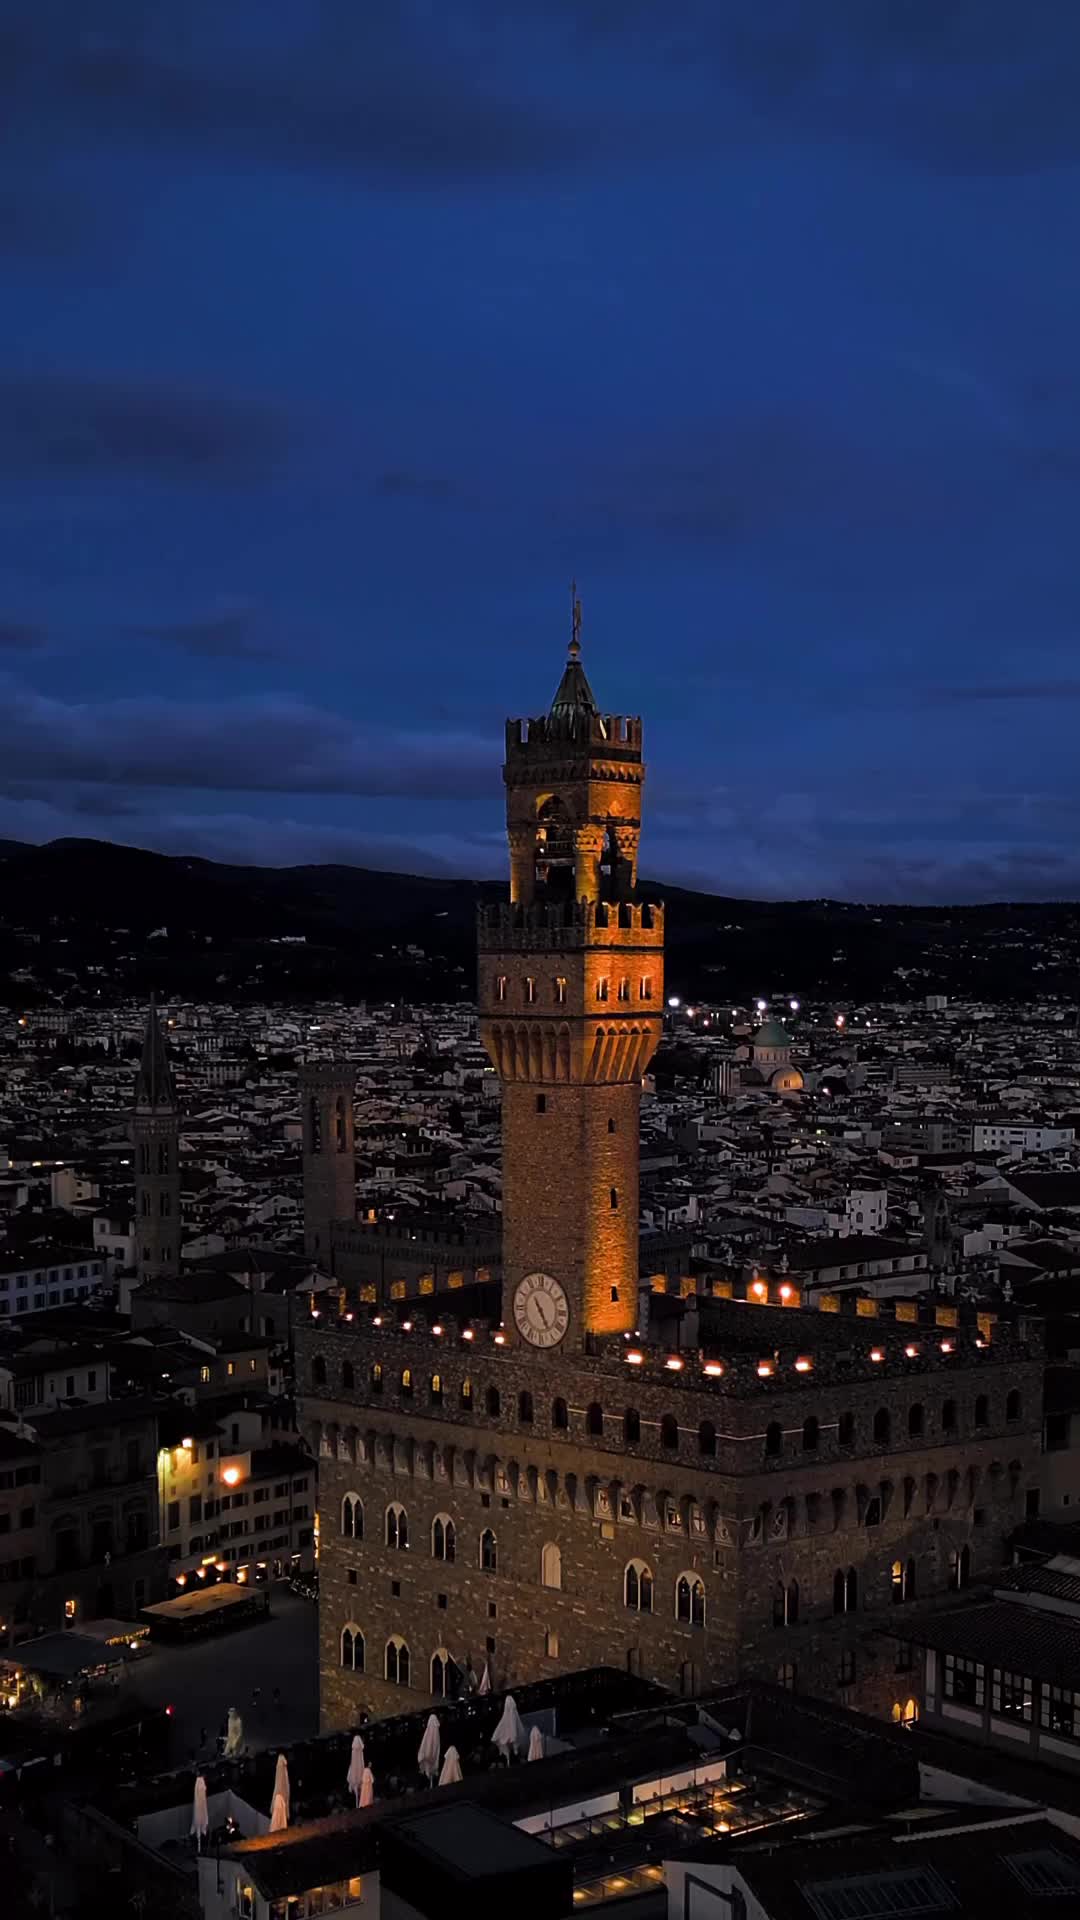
574	697
154	1088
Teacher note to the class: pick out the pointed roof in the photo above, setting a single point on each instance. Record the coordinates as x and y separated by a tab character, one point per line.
154	1087
573	696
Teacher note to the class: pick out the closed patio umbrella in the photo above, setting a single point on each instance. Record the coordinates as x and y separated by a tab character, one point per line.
355	1774
200	1812
485	1680
451	1768
536	1745
367	1788
279	1813
281	1782
234	1735
509	1735
427	1758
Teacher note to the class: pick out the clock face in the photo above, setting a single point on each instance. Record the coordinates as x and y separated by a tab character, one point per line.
541	1310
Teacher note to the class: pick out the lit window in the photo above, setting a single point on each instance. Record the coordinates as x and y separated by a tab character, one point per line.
500	987
530	990
645	987
601	989
560	991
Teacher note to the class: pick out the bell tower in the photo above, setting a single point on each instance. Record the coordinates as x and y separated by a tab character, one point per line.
155	1140
327	1122
571	996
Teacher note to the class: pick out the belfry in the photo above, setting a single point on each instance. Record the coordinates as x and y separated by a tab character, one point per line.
571	992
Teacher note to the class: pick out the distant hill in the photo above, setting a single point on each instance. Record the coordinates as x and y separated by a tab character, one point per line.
86	914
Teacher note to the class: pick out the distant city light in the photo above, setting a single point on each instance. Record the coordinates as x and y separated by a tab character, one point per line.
713	1368
674	1002
794	1005
803	1365
230	1476
876	1353
839	1019
761	1005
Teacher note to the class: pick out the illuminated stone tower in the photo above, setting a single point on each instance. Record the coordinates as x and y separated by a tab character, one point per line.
155	1136
571	991
327	1089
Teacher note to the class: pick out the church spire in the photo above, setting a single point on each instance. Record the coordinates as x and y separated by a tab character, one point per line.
573	696
154	1088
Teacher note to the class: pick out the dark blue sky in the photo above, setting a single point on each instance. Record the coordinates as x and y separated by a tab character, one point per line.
337	335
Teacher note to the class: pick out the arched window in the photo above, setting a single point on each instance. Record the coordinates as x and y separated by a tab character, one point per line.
785	1610
1013	1404
443	1538
845	1591
466	1395
376	1377
318	1371
948	1416
560	1416
406	1383
614	1200
489	1552
551	1565
915	1421
491	1403
690	1600
903	1581
352	1648
845	1430
810	1433
594	1418
638	1587
440	1673
525	1408
397	1660
882	1427
706	1439
982	1410
352	1517
348	1378
669	1432
397	1526
631	1427
960	1566
774	1438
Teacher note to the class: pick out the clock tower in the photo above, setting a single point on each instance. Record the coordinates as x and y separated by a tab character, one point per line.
571	997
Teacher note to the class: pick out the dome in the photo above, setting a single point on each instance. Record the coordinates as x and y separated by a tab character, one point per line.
772	1034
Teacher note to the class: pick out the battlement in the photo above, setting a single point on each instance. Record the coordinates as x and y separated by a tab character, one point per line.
321	1075
570	926
607	732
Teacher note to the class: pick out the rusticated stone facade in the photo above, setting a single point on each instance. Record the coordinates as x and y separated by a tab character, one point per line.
758	1487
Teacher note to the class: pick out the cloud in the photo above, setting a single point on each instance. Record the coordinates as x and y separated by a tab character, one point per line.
268	744
226	632
21	636
391	91
67	421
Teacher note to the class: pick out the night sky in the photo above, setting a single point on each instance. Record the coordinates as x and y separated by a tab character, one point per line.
337	336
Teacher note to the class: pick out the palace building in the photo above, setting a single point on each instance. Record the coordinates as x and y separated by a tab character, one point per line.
552	1485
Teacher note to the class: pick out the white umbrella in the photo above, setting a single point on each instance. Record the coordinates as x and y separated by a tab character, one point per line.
234	1734
451	1768
536	1745
356	1767
485	1680
430	1748
509	1735
279	1813
367	1788
281	1782
200	1812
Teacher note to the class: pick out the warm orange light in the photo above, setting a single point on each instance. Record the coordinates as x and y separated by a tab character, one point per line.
230	1475
202	1573
764	1368
468	1334
634	1358
803	1365
673	1363
181	1579
876	1353
377	1322
912	1352
500	1339
946	1346
406	1326
759	1290
713	1368
436	1329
